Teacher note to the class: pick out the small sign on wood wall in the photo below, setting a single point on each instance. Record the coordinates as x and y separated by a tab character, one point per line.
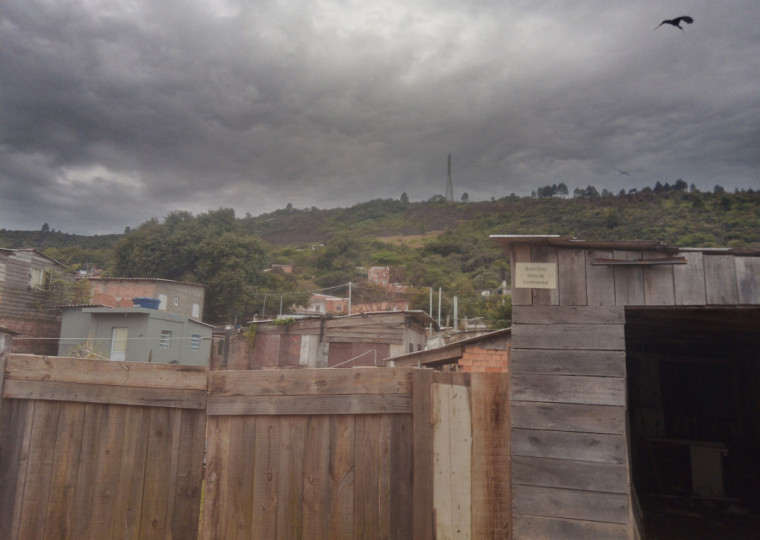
535	275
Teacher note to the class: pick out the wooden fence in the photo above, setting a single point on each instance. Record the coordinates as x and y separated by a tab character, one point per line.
99	449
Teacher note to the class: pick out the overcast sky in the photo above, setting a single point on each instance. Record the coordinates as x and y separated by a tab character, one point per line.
112	112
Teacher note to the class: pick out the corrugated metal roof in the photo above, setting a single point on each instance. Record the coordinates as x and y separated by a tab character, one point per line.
101	278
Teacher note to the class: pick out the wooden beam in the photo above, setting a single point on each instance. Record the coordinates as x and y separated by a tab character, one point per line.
300	405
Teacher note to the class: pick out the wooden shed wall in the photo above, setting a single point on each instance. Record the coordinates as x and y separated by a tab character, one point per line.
571	476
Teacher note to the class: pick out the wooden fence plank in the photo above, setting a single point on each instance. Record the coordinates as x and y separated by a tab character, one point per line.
402	477
659	284
572	277
105	394
568	315
39	470
215	501
238	476
13	424
491	487
290	487
564	473
534	527
106	372
569	336
84	497
568	417
629	280
307	405
366	494
184	519
127	506
340	516
60	510
303	382
568	362
595	447
316	470
568	389
423	454
383	482
570	503
720	280
689	280
600	280
266	477
748	279
158	467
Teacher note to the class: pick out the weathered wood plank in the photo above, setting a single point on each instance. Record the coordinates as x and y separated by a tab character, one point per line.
39	470
423	454
659	284
570	503
105	394
600	280
316	483
266	477
60	510
238	476
689	280
290	486
340	516
564	473
366	494
105	372
491	487
310	382
540	527
596	447
384	477
158	467
572	277
629	280
401	477
609	337
306	405
568	362
720	280
187	505
214	506
748	279
127	506
568	389
520	297
545	297
568	417
84	496
568	315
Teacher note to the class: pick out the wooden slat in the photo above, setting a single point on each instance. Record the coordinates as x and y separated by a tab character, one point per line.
568	389
564	473
491	487
105	372
316	477
366	493
184	520
423	454
572	277
544	297
689	280
568	417
401	477
340	515
284	405
629	280
105	394
520	297
570	503
535	527
290	486
568	315
720	280
568	362
238	476
569	336
158	467
659	285
310	382
600	280
84	497
748	279
266	477
569	445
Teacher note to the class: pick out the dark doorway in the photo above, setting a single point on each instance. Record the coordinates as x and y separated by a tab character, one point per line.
694	420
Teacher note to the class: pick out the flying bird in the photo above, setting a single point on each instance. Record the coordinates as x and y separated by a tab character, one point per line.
676	22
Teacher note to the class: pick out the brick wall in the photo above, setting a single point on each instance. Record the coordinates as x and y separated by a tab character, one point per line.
35	336
479	359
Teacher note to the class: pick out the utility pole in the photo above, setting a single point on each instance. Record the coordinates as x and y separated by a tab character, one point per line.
439	306
349	298
449	184
456	312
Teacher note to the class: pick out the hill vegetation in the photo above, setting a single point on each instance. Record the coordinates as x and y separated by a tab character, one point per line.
428	245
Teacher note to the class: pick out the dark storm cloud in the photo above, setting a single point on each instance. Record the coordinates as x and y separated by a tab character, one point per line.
113	112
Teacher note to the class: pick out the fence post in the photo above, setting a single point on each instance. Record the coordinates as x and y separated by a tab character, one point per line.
422	421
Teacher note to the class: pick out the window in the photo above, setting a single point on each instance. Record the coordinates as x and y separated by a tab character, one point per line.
196	310
119	343
176	300
166	339
195	342
40	279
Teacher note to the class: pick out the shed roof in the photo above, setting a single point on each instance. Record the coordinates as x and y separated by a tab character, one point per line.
446	354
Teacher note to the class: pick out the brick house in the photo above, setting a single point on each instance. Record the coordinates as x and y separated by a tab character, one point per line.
179	297
30	283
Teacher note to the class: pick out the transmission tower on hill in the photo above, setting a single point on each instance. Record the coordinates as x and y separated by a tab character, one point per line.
449	184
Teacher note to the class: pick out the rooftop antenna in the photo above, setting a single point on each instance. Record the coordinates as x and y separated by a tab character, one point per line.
449	184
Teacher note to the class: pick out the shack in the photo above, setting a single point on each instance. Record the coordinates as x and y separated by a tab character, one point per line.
633	388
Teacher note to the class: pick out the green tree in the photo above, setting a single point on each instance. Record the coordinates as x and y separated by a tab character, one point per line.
404	198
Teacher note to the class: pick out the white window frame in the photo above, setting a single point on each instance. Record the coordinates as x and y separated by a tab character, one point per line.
165	340
195	342
40	279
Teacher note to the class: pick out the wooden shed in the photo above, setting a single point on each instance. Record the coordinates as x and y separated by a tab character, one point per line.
634	376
